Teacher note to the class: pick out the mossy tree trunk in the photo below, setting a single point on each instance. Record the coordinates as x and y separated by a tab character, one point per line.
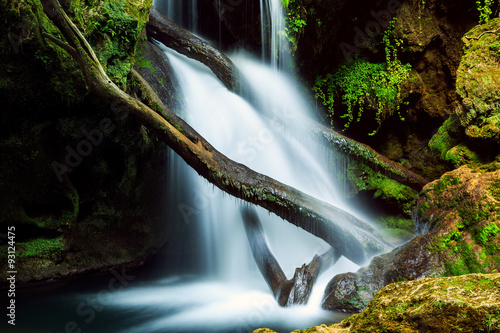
182	41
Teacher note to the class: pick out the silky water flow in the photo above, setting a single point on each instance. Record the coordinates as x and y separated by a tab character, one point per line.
224	290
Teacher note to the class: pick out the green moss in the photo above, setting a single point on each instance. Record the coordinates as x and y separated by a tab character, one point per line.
111	27
473	213
494	190
443	242
179	128
478	84
461	155
467	263
491	230
356	302
140	61
364	178
271	197
446	136
396	227
444	183
41	248
423	208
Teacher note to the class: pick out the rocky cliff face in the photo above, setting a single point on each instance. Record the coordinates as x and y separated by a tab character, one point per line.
79	182
471	133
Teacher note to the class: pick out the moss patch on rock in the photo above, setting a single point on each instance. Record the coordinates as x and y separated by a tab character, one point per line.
462	211
458	221
468	303
363	178
449	143
478	83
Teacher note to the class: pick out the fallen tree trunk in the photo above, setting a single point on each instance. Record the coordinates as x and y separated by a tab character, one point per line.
349	236
182	41
264	258
298	289
368	156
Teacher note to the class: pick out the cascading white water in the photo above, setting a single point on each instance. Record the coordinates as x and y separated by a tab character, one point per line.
274	44
229	294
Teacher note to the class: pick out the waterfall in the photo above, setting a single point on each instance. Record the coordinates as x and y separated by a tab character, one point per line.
274	45
227	293
184	13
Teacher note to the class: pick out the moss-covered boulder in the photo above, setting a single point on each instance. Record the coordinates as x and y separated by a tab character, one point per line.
81	184
454	147
478	83
467	303
462	213
458	219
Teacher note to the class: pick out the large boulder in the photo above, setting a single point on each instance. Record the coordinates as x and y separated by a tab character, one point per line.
467	303
458	219
478	84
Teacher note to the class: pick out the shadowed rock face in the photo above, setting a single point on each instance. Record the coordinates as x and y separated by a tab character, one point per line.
459	214
467	303
104	212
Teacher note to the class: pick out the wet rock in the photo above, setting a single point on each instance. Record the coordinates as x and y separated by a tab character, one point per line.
351	292
468	303
458	218
153	65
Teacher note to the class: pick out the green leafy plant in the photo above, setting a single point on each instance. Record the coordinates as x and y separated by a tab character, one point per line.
294	23
362	84
106	29
484	8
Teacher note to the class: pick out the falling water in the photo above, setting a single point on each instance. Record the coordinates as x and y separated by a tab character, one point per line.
184	13
225	291
229	292
275	48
